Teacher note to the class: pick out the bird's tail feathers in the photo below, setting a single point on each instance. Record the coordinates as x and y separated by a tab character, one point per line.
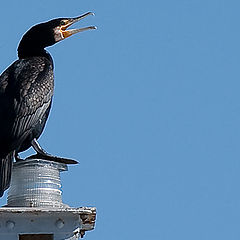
5	172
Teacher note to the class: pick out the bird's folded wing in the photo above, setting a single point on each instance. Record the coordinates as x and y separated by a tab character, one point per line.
28	90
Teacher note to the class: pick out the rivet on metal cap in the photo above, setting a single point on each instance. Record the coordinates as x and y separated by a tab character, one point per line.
59	223
10	225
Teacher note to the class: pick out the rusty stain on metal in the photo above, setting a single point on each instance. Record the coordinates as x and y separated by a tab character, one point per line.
88	219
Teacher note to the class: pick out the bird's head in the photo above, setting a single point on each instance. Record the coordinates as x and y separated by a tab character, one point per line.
60	26
48	33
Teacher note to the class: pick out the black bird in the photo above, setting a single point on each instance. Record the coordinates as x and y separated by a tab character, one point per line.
26	90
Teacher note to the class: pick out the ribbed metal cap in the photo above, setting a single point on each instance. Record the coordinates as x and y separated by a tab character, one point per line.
36	183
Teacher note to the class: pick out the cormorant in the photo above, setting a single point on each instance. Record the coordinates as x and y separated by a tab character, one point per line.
26	90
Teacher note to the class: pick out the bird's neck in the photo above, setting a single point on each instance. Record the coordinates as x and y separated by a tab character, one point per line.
33	52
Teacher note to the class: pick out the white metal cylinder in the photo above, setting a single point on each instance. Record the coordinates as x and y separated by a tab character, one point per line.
36	183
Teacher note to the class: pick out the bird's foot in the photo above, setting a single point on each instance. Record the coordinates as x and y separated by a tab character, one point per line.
49	157
42	154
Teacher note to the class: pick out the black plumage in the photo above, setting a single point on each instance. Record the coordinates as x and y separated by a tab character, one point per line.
26	91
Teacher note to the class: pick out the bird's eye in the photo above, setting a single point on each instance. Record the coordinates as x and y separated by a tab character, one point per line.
62	22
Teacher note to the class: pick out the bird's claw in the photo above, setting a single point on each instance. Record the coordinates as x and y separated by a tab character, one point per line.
53	158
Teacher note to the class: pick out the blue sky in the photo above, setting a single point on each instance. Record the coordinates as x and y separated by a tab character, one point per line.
149	104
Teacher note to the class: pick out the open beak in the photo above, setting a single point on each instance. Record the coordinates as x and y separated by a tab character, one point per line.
67	33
